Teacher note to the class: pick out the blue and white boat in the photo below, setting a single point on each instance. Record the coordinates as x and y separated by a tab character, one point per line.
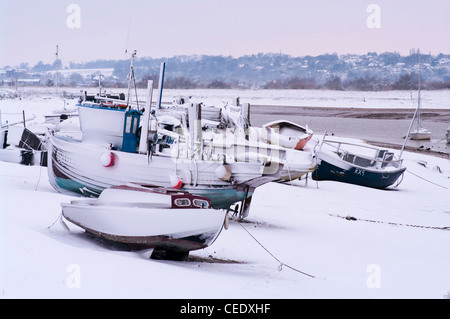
357	163
118	144
122	142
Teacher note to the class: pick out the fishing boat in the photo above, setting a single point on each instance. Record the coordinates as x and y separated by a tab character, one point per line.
111	157
419	133
447	135
357	163
121	144
144	216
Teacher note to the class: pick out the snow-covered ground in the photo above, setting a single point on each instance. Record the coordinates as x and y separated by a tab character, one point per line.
398	246
435	99
40	101
382	254
439	99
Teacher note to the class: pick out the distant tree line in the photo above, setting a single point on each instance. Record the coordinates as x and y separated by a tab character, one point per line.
370	83
368	72
183	82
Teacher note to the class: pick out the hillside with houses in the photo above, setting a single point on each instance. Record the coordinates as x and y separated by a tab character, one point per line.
370	72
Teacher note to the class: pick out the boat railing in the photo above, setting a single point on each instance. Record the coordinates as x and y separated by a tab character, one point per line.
381	159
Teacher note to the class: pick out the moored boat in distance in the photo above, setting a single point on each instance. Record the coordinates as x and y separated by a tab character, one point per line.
419	133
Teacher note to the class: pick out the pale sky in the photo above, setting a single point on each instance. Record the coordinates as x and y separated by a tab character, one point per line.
103	29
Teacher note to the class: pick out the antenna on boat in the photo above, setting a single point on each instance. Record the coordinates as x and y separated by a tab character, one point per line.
128	37
132	80
56	65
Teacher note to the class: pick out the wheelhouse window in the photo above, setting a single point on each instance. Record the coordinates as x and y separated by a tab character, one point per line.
200	203
128	124
182	202
135	121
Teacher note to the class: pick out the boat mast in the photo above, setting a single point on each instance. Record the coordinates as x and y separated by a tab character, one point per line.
407	135
131	79
416	113
418	98
161	83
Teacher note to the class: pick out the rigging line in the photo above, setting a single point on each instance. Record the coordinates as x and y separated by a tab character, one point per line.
281	263
426	179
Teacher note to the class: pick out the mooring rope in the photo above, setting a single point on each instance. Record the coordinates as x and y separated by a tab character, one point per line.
389	223
426	179
280	267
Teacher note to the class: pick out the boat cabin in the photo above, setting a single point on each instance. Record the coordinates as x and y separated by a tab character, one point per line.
365	156
131	131
110	123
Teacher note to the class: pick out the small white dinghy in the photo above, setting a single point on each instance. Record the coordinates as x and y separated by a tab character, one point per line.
166	219
287	134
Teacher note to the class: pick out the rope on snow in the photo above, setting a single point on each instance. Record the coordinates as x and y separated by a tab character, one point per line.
389	223
280	267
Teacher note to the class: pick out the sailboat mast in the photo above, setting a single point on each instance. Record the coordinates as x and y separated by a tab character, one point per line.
418	98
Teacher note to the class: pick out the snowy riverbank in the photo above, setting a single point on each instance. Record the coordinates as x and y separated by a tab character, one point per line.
357	242
396	247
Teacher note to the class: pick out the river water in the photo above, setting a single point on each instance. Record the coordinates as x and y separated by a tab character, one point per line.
383	131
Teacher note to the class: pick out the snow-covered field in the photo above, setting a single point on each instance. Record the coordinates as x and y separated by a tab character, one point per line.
398	246
437	99
380	255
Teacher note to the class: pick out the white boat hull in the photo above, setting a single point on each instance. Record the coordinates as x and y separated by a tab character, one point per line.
76	167
420	135
286	134
147	219
161	228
